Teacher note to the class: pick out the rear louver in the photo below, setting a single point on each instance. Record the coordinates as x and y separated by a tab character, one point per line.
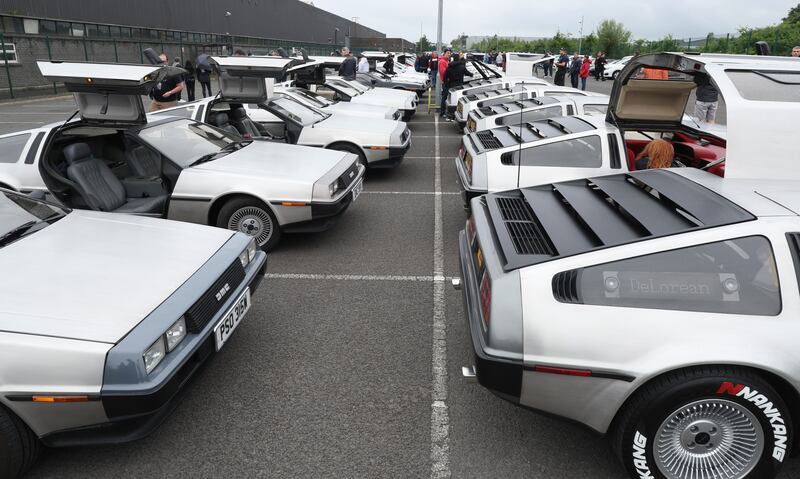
507	158
472	97
524	230
488	141
565	287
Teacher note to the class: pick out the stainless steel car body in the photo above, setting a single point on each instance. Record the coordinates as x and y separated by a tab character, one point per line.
489	117
582	362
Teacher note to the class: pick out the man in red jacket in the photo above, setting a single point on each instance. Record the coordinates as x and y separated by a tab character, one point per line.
444	60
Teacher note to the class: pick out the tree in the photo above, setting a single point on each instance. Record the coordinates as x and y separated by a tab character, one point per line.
424	45
611	34
459	43
793	16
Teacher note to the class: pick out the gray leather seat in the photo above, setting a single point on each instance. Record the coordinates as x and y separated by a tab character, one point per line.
246	127
144	162
220	120
100	188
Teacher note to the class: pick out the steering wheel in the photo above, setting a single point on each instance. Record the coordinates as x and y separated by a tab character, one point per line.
713	164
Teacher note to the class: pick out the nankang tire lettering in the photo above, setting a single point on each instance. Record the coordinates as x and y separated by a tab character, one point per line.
766	406
640	456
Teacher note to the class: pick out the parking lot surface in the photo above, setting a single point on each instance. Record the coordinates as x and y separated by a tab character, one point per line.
348	363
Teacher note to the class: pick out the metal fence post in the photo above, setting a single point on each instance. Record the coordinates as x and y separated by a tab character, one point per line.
85	50
116	55
5	61
50	57
689	47
707	38
141	53
728	43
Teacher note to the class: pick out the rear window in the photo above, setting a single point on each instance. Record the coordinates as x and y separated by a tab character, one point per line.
583	152
595	110
737	276
766	86
11	147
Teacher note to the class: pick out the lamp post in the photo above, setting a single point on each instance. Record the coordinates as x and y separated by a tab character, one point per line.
228	22
335	36
439	50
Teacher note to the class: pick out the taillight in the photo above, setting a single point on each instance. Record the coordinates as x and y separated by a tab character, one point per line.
461	151
472	232
486	297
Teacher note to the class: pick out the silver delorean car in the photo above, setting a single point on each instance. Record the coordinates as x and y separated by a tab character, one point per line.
113	159
104	320
659	307
519	111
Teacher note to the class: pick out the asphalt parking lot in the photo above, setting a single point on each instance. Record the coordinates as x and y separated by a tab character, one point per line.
348	363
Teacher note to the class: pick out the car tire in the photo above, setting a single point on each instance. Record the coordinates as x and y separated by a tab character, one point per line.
253	218
19	446
676	420
351	149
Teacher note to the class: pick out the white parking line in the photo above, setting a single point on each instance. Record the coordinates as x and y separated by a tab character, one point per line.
455	135
440	418
411	192
356	277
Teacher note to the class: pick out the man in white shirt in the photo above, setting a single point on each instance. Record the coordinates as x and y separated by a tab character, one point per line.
363	65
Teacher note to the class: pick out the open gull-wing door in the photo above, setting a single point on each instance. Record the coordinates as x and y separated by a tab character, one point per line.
310	73
105	92
241	79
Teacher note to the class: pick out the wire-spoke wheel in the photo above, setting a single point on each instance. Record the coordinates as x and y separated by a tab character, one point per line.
252	218
709	439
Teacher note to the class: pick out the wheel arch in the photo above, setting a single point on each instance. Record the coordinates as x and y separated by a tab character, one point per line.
331	146
782	386
216	205
7	186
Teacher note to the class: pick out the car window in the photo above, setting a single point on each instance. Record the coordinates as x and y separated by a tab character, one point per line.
184	141
595	110
766	85
344	88
582	152
21	215
296	111
11	147
184	112
533	115
737	276
563	93
317	100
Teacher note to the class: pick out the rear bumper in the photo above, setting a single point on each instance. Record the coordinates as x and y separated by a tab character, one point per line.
467	192
408	114
135	414
501	376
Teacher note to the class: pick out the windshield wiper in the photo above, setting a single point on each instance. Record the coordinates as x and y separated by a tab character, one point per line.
225	149
235	145
204	158
17	233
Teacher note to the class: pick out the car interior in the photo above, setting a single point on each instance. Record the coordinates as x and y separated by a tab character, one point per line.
104	169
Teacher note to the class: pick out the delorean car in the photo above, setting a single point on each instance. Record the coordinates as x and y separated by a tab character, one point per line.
113	159
520	91
658	307
515	112
383	80
105	319
378	143
343	90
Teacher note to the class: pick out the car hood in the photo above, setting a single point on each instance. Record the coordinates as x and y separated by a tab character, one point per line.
94	276
276	160
374	126
364	111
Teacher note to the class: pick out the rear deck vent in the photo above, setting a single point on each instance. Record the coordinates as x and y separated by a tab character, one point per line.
525	232
565	287
488	141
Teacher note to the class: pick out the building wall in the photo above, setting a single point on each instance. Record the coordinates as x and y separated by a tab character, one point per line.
283	19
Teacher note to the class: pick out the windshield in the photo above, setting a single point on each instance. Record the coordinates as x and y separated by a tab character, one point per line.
296	111
358	86
316	100
344	88
185	141
21	215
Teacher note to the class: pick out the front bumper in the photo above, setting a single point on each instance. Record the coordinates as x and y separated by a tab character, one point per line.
325	215
390	157
133	411
501	376
408	114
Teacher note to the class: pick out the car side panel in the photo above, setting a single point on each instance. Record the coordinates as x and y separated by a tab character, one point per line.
31	365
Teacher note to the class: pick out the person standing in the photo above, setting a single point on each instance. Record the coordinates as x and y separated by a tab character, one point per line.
433	69
454	75
388	65
166	92
547	65
561	67
584	74
363	64
348	68
600	66
188	78
442	65
204	77
575	69
500	59
707	99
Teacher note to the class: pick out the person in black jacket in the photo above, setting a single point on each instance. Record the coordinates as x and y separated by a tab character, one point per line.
204	77
347	69
189	79
454	76
388	66
575	69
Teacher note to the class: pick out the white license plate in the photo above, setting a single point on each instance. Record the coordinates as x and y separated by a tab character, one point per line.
357	189
231	320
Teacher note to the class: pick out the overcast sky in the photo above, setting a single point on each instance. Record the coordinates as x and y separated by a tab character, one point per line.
650	19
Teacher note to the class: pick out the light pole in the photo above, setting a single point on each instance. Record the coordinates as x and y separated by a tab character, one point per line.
228	21
439	51
580	38
335	36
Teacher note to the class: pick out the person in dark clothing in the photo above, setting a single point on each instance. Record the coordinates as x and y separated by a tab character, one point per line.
189	79
707	99
204	77
547	66
575	70
433	68
454	76
599	66
561	67
347	69
388	65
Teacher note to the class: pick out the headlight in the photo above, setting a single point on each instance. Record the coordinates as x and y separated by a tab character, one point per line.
154	355
175	334
333	187
246	256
